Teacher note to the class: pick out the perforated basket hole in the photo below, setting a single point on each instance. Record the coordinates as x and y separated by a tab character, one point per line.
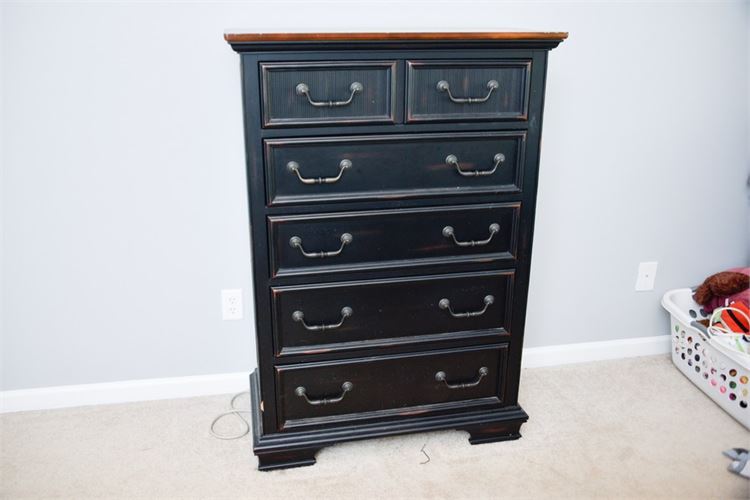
732	372
743	379
693	314
743	404
732	396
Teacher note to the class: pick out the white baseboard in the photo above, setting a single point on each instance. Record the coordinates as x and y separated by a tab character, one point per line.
66	396
127	391
553	355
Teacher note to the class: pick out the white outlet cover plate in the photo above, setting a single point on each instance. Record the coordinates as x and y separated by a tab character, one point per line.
646	276
231	304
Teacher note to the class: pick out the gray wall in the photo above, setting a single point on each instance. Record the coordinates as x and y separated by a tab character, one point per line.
124	209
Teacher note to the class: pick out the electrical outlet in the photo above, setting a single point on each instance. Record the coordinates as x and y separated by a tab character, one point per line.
231	304
646	276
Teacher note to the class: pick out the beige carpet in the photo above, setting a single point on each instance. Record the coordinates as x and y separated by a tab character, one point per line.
628	428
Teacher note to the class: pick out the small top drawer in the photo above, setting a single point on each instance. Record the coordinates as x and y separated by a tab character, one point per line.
313	93
468	90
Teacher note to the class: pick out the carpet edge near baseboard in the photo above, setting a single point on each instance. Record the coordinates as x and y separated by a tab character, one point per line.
127	391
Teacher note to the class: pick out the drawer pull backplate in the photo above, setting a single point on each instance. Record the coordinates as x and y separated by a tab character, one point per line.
452	160
449	233
293	167
442	377
299	317
303	89
443	86
446	304
296	242
345	387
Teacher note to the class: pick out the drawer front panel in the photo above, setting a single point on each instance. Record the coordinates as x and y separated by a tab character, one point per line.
468	90
385	167
328	93
338	316
305	244
357	389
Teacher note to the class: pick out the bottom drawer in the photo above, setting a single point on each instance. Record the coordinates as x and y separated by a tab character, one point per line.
376	387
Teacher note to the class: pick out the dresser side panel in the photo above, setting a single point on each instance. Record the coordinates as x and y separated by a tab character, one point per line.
528	212
258	239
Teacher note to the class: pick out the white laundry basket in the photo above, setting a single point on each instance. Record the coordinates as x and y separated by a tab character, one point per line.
724	377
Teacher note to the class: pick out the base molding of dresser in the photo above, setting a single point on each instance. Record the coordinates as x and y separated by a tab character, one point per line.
492	433
281	451
286	459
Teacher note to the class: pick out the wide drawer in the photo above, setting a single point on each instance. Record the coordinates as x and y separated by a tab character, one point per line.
468	90
306	93
393	166
418	383
337	316
314	243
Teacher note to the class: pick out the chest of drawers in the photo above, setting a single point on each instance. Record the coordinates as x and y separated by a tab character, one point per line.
392	186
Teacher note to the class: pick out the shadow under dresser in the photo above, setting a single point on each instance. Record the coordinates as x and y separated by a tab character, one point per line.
392	183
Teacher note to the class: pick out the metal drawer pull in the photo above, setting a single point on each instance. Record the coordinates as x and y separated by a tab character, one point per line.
446	304
293	166
441	377
296	242
443	86
299	317
303	89
345	387
453	160
448	233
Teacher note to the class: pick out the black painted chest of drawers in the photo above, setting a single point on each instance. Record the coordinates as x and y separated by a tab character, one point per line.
392	182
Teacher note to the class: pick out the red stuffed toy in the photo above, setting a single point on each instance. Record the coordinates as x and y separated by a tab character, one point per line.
725	287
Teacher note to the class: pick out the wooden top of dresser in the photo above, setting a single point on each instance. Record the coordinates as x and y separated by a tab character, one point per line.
239	36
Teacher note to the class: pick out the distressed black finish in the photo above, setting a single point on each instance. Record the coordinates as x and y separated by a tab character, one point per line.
354	340
389	311
393	166
392	238
375	383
